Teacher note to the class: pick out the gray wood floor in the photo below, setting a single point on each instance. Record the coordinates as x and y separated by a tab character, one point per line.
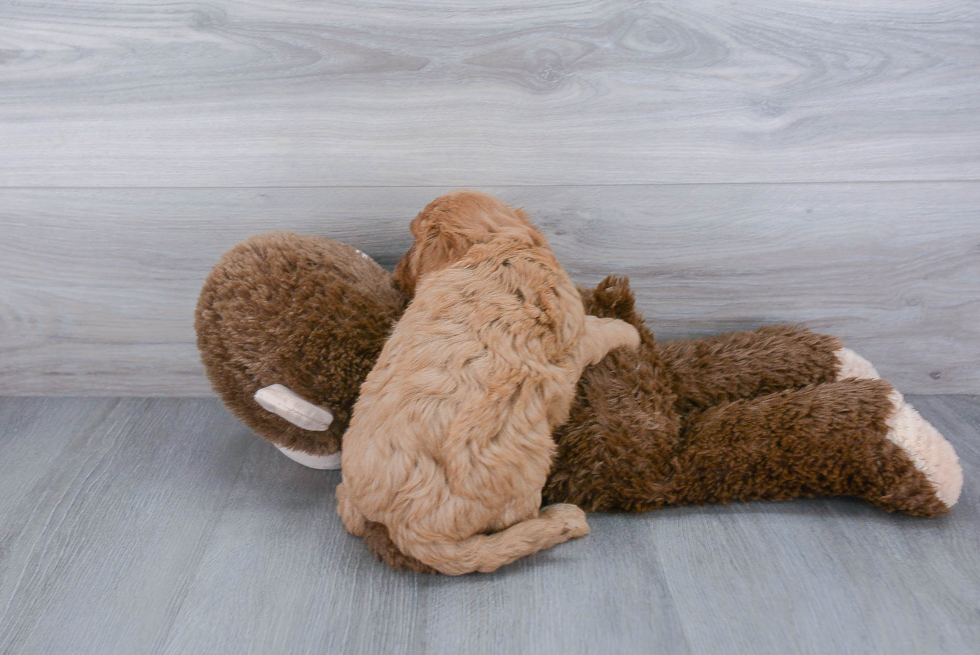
163	526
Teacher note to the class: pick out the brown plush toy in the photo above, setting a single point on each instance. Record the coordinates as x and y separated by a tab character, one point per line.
289	326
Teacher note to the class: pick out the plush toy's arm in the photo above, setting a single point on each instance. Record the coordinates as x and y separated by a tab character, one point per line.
733	366
283	402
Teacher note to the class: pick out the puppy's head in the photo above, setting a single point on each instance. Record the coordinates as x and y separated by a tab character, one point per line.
450	225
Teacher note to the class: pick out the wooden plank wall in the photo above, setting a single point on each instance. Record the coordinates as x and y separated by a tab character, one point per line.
745	164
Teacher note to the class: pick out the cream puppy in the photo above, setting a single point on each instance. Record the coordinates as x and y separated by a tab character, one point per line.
450	441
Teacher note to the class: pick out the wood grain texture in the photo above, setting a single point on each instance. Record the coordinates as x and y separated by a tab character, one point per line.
470	92
107	505
97	286
160	526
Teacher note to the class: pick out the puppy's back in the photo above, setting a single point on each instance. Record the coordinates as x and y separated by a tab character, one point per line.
453	422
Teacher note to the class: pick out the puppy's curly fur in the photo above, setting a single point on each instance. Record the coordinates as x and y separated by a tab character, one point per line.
450	440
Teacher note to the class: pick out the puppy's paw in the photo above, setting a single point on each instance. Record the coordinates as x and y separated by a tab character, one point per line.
622	335
354	521
571	517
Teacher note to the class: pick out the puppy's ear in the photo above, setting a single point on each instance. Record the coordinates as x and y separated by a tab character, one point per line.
439	248
434	248
404	276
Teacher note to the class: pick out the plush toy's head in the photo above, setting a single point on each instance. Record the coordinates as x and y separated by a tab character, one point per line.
450	225
303	312
290	325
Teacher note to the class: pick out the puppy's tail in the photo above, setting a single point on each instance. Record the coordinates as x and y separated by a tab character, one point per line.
555	524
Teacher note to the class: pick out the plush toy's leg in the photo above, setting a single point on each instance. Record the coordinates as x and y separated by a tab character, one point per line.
757	362
852	437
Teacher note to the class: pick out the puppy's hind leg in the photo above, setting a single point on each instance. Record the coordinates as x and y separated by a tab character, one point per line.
354	521
554	524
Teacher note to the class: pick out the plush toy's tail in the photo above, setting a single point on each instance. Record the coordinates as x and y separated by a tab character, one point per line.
555	524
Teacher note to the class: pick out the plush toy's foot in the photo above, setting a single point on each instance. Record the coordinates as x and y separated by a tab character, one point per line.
852	365
286	403
921	442
321	462
929	451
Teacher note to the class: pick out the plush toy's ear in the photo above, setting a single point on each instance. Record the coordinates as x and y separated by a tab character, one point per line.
319	462
284	402
289	405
